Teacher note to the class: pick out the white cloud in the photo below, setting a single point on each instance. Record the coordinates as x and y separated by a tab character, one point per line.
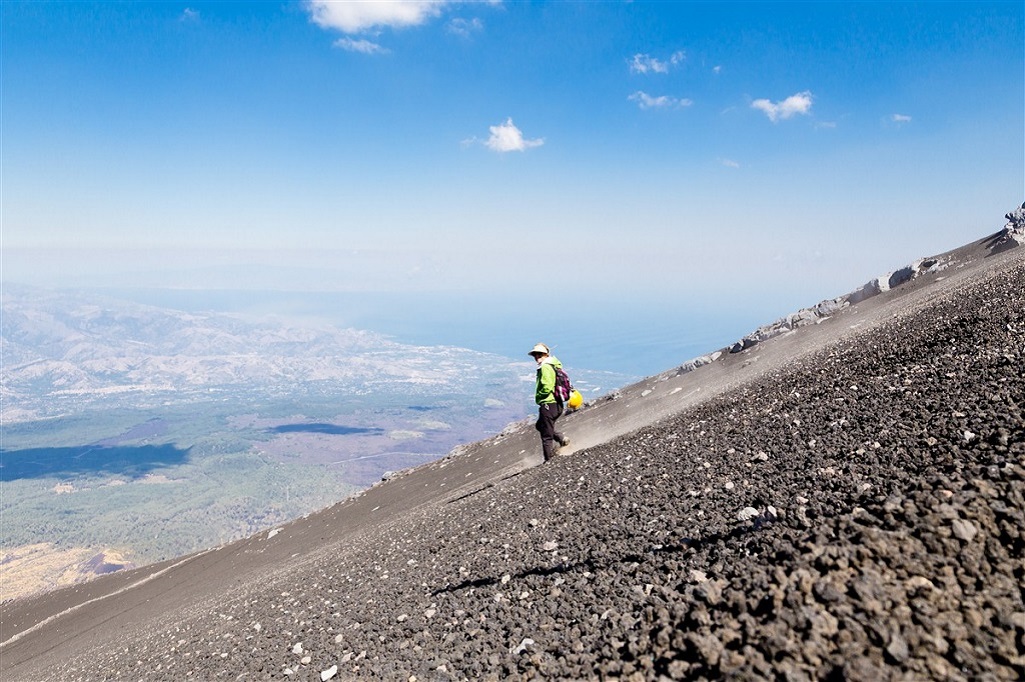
644	63
506	137
795	104
901	118
465	27
361	46
190	15
717	70
646	101
729	163
353	17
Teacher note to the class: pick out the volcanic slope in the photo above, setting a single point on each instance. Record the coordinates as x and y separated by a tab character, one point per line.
842	501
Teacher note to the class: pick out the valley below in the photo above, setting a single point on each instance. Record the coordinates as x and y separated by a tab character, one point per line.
133	434
837	495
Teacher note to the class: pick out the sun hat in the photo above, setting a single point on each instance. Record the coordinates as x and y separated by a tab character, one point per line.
539	348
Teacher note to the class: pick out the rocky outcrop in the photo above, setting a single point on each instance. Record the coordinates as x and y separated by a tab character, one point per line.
1013	234
701	361
827	308
1016	221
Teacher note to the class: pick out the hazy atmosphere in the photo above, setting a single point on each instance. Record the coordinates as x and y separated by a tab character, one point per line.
500	172
269	276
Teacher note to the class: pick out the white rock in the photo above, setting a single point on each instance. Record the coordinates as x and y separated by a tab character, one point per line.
298	648
747	513
326	675
550	546
527	641
965	530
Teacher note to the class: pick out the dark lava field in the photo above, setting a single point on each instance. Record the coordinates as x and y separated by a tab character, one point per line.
852	511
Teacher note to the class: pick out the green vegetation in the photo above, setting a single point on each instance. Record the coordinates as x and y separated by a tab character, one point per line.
159	483
221	489
213	500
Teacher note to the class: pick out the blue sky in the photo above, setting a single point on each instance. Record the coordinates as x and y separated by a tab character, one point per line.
652	150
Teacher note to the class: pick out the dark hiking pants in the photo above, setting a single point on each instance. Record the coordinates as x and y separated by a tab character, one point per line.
546	416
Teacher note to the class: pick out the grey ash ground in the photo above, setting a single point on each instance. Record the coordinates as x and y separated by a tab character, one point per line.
845	502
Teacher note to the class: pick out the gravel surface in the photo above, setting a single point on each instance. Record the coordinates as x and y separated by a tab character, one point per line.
855	514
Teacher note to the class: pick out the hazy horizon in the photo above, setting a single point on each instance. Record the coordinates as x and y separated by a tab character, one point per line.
639	335
615	174
642	340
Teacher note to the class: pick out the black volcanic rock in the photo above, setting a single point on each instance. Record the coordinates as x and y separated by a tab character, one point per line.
882	452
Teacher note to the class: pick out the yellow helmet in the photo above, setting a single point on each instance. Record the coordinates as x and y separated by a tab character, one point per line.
575	399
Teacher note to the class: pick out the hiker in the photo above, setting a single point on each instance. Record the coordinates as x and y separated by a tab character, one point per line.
548	408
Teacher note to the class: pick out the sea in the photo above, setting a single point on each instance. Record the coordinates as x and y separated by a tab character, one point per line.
636	337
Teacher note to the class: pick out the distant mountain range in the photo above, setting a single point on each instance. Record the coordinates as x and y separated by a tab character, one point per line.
64	350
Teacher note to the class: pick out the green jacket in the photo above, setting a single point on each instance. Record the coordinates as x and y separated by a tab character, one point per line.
544	389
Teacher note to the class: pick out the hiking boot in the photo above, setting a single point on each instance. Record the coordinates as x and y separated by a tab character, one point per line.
564	441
